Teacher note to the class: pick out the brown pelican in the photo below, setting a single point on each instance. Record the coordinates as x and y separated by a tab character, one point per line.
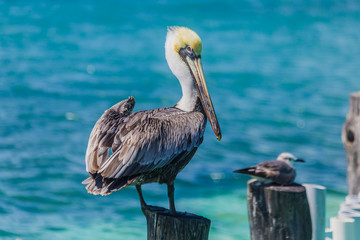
153	145
279	171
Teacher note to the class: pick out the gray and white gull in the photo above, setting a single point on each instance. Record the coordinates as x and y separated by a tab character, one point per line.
279	171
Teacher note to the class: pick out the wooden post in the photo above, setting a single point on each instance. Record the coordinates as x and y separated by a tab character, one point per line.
183	226
351	139
278	212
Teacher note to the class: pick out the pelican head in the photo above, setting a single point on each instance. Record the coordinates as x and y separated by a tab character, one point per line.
183	54
289	158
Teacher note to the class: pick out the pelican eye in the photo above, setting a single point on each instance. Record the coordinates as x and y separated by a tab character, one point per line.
190	52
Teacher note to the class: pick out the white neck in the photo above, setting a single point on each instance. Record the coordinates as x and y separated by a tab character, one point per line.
182	73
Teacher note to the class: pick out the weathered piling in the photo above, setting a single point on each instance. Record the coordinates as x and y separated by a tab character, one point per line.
278	212
350	138
183	226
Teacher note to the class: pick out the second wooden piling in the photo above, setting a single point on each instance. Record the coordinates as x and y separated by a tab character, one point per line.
278	212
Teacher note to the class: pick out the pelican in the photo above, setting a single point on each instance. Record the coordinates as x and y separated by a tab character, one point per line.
153	145
279	171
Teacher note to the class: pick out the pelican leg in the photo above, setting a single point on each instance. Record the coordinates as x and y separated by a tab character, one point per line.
142	201
171	190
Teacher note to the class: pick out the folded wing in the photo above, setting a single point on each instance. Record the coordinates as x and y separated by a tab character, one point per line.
278	171
140	142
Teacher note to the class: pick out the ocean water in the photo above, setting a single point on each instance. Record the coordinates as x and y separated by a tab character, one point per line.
279	73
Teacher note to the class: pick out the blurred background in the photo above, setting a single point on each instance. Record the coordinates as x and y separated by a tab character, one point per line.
279	73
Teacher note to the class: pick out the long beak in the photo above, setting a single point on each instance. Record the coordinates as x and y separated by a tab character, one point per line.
299	160
197	71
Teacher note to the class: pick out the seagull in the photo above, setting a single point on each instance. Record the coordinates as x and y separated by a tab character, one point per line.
279	171
128	148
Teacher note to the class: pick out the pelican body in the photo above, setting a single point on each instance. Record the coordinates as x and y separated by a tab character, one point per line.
279	171
153	145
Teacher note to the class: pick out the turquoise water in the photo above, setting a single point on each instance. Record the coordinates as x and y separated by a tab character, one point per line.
280	74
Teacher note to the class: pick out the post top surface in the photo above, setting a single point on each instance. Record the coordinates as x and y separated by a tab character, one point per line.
294	187
355	94
179	215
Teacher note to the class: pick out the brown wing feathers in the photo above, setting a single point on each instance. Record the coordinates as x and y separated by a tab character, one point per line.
141	142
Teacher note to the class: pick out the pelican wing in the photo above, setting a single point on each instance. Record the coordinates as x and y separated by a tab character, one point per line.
143	142
151	139
102	136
